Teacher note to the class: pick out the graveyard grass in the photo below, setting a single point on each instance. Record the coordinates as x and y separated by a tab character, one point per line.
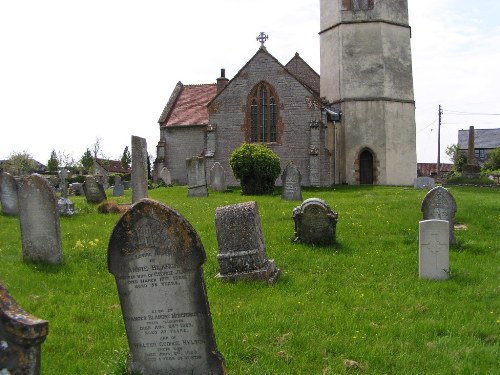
356	307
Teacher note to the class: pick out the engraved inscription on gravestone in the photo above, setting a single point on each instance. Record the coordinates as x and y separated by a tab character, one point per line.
291	180
93	189
197	180
156	258
434	260
315	222
439	204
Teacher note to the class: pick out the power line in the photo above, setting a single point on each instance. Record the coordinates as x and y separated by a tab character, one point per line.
430	124
470	113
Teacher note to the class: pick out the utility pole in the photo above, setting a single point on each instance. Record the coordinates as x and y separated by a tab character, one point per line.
439	141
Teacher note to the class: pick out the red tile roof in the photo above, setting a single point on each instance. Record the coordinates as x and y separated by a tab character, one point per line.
426	169
113	166
191	105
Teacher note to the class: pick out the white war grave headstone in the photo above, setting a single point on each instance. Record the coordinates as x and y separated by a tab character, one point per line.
218	177
434	249
156	257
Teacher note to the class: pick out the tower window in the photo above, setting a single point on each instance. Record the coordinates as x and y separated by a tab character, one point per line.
263	114
357	4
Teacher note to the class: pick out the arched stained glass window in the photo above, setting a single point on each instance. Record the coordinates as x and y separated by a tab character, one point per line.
263	114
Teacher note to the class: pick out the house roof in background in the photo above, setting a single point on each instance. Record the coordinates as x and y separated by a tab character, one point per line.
483	138
113	166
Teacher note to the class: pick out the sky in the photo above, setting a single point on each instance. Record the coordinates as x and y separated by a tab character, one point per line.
74	72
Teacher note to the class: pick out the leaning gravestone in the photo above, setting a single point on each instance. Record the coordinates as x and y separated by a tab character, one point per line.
8	194
39	220
439	204
218	177
139	178
315	222
93	189
434	248
242	253
21	337
291	179
156	258
424	183
118	189
166	176
197	180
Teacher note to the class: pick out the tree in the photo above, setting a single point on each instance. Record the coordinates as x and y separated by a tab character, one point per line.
87	161
53	163
457	157
96	148
20	163
256	166
126	158
493	163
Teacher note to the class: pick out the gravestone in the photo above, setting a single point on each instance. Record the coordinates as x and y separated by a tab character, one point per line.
118	188
242	253
77	188
8	194
93	189
64	205
197	180
439	204
21	337
291	179
166	176
424	183
218	177
139	178
63	175
434	248
39	220
315	222
156	257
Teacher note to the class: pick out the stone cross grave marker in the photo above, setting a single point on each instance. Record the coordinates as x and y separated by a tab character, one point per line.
118	188
434	248
197	180
139	178
439	204
424	183
218	177
242	253
8	194
39	221
64	205
291	179
156	257
21	337
166	176
315	222
93	189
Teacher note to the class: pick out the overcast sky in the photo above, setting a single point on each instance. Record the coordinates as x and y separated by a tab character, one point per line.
72	72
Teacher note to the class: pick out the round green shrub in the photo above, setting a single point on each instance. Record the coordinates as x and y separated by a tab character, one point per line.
257	167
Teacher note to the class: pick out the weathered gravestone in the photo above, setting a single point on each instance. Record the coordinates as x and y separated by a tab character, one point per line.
77	188
64	205
21	337
218	177
197	180
166	176
424	183
39	221
434	248
291	179
439	204
242	253
156	258
93	189
8	194
118	188
139	178
315	222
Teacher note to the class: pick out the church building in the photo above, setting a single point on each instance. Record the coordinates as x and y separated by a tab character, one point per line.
354	125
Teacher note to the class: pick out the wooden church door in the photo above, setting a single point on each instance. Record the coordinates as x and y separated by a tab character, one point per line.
366	168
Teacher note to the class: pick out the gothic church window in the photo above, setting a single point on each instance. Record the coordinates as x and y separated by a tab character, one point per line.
263	114
357	4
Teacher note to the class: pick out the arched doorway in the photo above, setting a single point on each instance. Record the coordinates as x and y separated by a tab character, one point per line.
366	168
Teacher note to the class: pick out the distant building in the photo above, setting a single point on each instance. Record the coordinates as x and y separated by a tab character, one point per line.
105	167
430	169
485	141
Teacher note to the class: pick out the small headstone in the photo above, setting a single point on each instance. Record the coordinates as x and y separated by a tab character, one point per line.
126	185
77	188
39	220
218	177
315	222
65	207
242	253
434	248
21	337
8	194
156	257
424	183
166	176
93	189
439	204
291	179
118	189
139	178
197	180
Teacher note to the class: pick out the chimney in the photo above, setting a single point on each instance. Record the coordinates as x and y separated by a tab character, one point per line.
222	81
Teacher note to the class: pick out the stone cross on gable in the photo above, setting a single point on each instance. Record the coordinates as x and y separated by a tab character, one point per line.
262	38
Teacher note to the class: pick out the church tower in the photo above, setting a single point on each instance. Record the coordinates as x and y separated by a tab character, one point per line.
366	74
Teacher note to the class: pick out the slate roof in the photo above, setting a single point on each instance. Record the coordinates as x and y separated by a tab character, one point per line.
113	166
187	105
483	138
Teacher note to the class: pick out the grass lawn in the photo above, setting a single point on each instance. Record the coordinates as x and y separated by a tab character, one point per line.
360	300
